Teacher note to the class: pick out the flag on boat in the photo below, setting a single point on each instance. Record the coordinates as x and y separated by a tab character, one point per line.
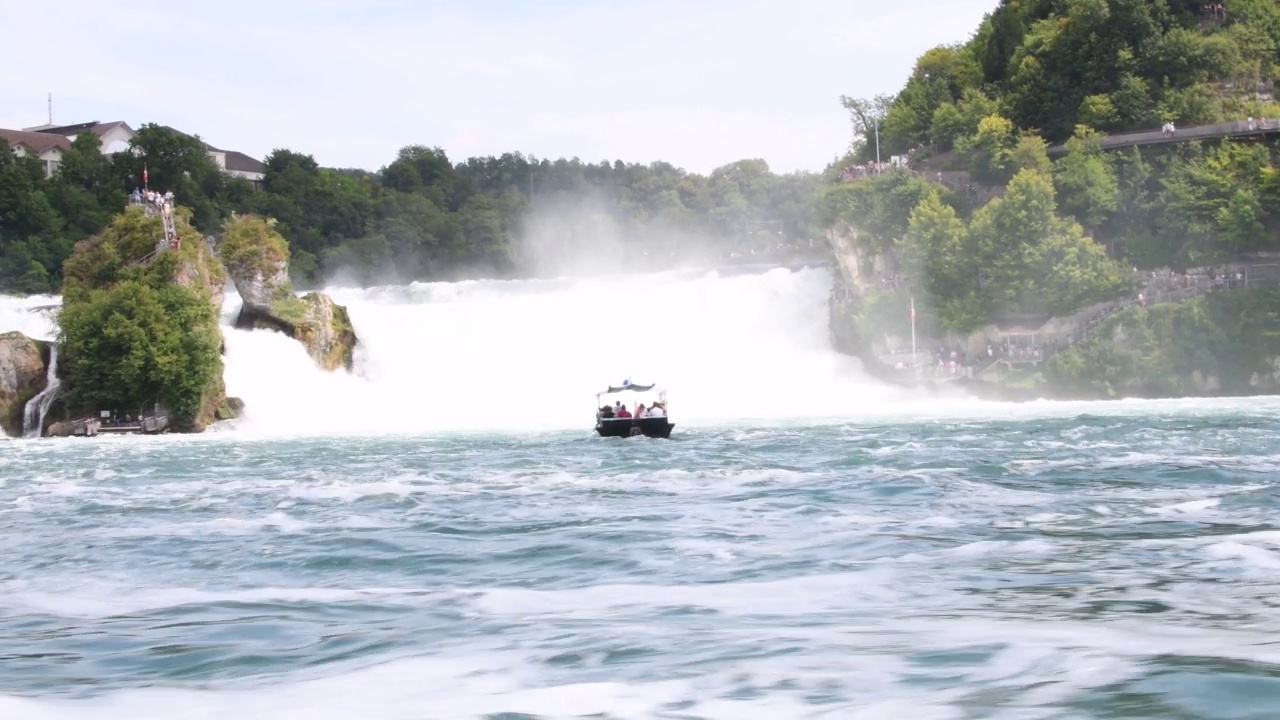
913	310
144	175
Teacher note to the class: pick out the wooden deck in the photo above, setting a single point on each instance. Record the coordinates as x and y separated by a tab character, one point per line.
146	425
1237	130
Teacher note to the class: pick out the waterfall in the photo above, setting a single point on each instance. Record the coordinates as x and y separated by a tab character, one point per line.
436	356
38	406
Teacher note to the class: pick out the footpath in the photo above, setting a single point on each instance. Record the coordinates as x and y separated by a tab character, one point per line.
1017	347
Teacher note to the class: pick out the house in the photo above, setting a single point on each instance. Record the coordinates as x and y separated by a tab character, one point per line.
239	165
115	136
234	163
48	142
44	147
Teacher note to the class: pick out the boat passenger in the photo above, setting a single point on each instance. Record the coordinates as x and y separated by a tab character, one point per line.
623	413
641	412
656	410
606	412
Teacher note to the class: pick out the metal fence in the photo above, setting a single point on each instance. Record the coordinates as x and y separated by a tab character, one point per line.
1236	128
1029	350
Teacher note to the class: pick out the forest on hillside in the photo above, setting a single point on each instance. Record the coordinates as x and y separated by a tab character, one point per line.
1026	235
421	217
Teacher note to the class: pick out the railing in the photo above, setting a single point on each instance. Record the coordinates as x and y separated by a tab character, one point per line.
1031	350
1237	128
87	427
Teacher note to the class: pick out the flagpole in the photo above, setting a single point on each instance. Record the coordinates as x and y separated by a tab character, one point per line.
914	363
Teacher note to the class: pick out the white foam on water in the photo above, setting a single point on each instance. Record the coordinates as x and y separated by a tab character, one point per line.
1040	666
488	684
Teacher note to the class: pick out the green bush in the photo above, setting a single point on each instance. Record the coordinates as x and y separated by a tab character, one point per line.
1160	351
139	328
130	346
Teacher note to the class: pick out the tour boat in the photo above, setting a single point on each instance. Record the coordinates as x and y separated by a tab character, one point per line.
608	425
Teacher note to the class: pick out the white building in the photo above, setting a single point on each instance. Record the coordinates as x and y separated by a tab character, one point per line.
238	164
48	142
46	148
115	136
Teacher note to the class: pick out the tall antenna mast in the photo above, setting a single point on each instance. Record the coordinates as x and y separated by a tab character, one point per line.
50	108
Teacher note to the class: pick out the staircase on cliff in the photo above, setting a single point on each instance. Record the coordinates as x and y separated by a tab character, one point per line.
162	205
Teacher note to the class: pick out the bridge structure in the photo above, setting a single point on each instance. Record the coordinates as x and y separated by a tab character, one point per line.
1256	129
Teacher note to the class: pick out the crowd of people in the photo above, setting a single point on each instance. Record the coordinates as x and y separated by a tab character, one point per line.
161	203
1213	11
619	411
154	200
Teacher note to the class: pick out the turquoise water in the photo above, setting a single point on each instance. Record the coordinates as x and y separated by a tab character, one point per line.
1085	561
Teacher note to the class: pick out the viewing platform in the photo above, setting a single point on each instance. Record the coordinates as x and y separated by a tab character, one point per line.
1261	128
143	425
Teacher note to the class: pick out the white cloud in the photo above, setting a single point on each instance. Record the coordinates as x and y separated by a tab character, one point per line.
697	84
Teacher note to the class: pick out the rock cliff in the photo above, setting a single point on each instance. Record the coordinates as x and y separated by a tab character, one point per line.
139	323
22	376
257	258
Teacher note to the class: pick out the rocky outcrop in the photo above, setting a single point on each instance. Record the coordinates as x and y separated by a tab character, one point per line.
163	301
325	329
22	377
203	271
231	409
257	258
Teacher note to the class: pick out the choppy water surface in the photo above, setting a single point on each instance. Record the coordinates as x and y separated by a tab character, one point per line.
1105	564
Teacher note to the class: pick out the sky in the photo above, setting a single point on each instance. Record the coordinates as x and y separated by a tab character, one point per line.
697	83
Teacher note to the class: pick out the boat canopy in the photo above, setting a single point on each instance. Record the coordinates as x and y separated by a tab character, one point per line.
628	386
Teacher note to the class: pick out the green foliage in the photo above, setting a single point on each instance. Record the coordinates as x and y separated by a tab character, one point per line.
1031	153
31	230
290	308
987	151
880	208
139	328
1087	189
1044	71
1171	350
250	245
420	217
1113	65
132	344
124	251
1015	255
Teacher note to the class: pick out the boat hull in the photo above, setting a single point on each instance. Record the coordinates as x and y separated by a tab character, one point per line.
629	427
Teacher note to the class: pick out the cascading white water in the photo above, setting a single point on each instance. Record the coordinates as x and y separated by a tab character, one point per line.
38	407
31	315
533	354
530	355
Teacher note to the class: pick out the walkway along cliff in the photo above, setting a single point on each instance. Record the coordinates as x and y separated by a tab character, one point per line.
1008	358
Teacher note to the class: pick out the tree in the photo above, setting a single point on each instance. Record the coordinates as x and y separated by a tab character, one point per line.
866	116
86	190
30	227
180	163
987	150
1087	189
